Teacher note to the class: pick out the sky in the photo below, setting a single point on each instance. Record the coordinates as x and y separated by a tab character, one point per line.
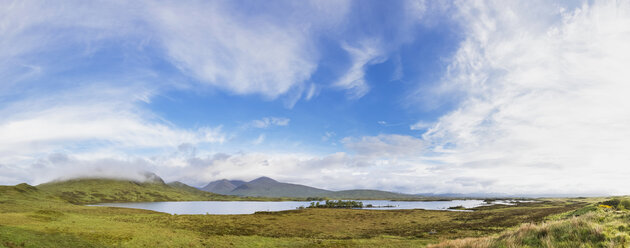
514	97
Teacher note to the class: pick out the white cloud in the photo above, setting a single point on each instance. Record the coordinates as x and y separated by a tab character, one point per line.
544	97
82	121
245	53
395	170
242	58
345	170
420	125
265	53
374	45
269	122
259	140
367	53
34	33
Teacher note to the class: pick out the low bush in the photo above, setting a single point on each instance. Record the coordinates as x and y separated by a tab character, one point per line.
617	203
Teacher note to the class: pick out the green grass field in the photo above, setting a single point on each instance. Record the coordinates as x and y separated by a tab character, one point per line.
591	226
38	217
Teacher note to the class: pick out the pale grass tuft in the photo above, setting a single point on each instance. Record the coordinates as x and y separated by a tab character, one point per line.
465	243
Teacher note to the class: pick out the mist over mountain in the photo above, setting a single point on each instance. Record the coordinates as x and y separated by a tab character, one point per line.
135	176
86	190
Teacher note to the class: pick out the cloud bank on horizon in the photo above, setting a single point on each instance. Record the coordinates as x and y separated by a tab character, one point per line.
519	97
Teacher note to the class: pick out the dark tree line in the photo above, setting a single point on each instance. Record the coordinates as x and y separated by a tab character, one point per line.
337	204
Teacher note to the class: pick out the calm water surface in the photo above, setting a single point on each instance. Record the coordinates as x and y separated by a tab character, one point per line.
249	207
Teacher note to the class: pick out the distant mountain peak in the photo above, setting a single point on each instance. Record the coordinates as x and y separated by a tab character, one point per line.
222	186
263	180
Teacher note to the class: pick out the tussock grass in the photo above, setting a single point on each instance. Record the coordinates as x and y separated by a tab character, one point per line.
588	227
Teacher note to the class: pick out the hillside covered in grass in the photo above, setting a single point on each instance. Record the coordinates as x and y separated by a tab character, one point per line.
606	224
98	190
35	217
23	196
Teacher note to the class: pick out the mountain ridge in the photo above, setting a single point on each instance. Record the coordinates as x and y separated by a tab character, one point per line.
222	186
98	190
265	186
268	187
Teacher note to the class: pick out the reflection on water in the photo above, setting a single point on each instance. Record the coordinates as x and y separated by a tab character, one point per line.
249	207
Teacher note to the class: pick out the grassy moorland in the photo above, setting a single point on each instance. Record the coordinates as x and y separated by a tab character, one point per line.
39	217
94	190
597	225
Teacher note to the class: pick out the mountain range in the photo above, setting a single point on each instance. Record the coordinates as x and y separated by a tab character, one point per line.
267	187
149	189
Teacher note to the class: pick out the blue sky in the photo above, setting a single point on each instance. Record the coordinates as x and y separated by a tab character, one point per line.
410	96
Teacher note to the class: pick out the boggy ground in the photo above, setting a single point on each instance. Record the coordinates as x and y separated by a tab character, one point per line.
352	223
31	218
591	226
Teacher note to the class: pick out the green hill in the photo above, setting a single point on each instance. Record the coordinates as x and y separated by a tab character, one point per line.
24	197
183	186
98	190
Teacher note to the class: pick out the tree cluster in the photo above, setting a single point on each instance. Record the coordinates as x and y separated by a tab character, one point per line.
337	204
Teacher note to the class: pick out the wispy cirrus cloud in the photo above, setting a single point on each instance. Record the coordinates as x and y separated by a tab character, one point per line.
218	43
543	96
353	81
420	125
266	122
215	43
245	53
